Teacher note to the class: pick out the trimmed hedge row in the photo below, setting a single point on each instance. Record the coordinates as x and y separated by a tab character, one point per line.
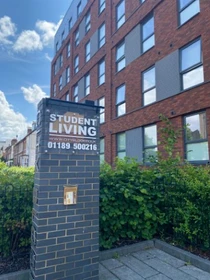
16	187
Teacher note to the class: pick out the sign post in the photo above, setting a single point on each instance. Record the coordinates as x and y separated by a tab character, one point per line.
66	193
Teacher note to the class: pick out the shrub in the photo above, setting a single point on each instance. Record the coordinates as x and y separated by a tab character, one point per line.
16	186
128	203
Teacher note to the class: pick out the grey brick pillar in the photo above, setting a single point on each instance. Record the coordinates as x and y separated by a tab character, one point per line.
65	237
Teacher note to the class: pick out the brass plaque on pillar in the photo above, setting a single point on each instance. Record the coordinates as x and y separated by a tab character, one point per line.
70	195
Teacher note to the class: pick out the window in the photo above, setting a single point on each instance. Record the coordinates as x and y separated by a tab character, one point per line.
188	9
120	14
101	72
68	49
102	5
148	86
54	90
148	35
150	142
76	64
54	69
70	24
120	101
75	97
67	96
101	37
196	142
121	145
191	65
87	84
101	102
67	74
76	37
120	56
102	150
56	47
79	9
87	51
87	22
61	60
60	83
62	37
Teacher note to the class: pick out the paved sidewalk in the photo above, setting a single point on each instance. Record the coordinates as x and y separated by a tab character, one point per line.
151	264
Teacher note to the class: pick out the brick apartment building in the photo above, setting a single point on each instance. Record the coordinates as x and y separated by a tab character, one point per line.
138	59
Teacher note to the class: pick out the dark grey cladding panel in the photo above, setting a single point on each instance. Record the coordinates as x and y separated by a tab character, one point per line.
134	147
133	45
94	43
167	76
81	88
64	78
82	30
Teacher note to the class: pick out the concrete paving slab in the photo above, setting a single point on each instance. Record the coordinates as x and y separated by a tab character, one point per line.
159	277
105	274
111	263
168	270
196	272
144	255
168	258
125	273
138	266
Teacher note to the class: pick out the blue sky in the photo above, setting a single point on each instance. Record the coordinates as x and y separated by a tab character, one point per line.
27	28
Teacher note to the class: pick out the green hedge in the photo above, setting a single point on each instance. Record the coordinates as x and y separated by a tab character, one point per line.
16	185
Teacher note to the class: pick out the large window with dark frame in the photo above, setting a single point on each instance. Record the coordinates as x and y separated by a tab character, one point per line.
61	60
68	49
102	149
101	72
148	34
75	93
101	35
120	101
188	9
120	56
87	22
149	86
87	84
102	5
54	90
76	38
121	145
67	96
79	10
101	102
150	142
196	141
76	64
60	83
120	14
87	51
191	64
68	74
70	24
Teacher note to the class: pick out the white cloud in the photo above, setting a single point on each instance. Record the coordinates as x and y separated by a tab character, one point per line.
48	30
28	40
7	29
11	123
33	94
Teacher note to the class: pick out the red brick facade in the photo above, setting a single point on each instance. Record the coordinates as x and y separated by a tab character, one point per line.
169	36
